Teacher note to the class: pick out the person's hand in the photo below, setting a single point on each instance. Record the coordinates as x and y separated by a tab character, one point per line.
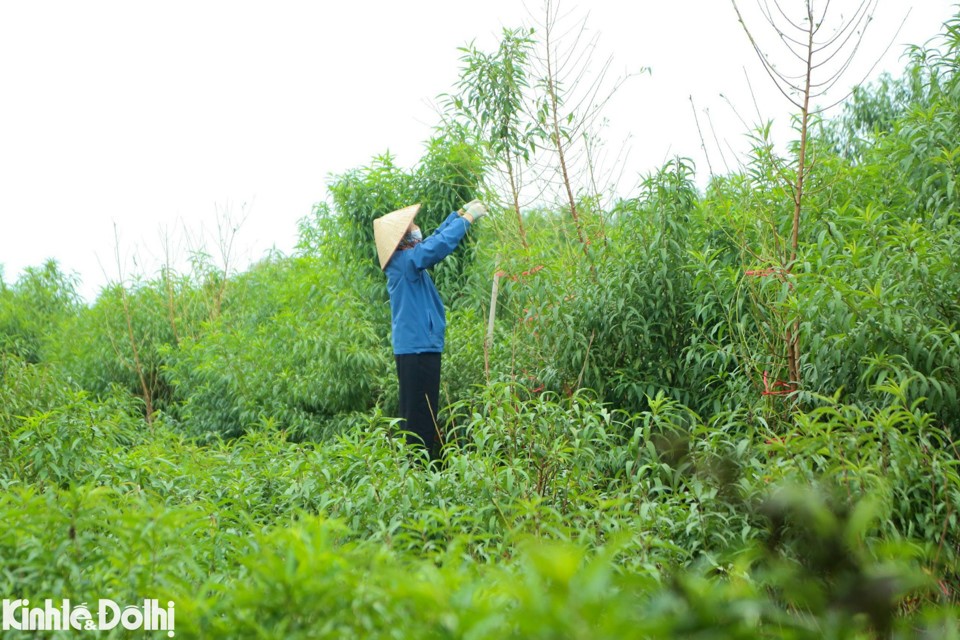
475	210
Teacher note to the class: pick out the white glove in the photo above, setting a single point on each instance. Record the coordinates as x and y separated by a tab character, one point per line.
476	209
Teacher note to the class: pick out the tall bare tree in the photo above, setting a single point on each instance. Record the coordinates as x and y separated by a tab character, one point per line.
818	48
574	92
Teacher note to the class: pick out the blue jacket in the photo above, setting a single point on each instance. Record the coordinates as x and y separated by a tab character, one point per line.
419	320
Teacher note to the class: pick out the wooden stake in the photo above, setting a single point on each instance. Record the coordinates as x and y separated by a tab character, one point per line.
488	342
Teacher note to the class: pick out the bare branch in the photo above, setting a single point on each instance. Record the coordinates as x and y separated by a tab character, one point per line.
823	17
833	55
767	66
869	71
735	154
735	112
797	55
717	141
824	87
703	144
753	96
851	28
769	16
787	18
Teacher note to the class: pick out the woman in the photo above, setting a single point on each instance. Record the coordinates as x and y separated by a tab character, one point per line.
419	319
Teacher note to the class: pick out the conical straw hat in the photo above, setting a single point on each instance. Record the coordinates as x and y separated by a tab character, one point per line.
388	231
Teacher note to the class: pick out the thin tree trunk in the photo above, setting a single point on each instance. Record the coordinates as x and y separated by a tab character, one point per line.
802	161
138	366
793	331
147	395
557	140
171	305
563	161
516	202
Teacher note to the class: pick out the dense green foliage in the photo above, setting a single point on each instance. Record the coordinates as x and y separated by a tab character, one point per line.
625	457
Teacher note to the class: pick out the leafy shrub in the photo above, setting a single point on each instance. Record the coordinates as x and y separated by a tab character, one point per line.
294	349
67	441
33	307
619	322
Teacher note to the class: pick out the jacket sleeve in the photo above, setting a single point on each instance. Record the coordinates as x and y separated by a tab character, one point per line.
441	242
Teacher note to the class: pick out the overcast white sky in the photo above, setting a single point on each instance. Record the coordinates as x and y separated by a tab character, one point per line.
155	115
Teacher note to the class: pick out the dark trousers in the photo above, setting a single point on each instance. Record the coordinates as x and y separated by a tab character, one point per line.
419	377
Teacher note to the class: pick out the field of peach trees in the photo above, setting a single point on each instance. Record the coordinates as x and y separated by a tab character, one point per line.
727	411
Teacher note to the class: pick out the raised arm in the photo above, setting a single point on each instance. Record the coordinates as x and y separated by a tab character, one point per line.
441	242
